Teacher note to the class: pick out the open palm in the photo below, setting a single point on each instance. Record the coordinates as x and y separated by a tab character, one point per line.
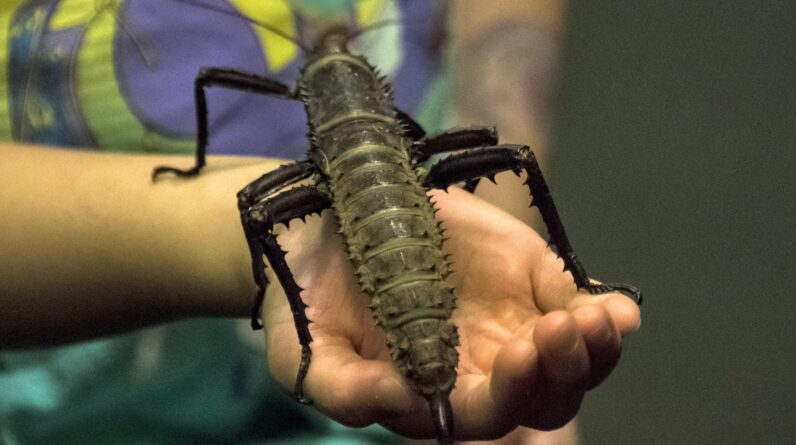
531	344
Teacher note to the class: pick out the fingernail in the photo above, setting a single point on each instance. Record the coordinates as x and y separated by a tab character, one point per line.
630	314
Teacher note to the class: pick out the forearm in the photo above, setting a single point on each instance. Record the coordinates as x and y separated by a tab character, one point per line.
90	246
505	59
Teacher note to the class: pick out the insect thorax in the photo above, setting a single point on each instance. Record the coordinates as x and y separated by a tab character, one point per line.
339	88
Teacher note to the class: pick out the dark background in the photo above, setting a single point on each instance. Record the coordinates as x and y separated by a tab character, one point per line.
674	169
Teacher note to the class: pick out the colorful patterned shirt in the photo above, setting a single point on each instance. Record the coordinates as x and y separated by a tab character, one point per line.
118	75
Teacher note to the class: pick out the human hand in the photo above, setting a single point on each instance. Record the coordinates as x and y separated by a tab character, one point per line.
531	344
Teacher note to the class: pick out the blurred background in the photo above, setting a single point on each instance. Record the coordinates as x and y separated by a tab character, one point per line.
672	161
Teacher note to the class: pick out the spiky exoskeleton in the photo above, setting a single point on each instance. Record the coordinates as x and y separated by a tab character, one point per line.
384	215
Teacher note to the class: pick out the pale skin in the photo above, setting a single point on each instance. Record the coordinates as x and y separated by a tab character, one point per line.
531	343
91	247
117	252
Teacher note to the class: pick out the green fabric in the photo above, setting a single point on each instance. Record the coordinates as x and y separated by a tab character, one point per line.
104	106
185	399
434	111
5	112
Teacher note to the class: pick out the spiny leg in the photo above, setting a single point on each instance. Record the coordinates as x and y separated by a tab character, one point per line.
254	192
273	181
258	223
488	162
453	140
225	78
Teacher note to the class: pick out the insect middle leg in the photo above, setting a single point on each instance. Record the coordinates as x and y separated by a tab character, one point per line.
258	224
454	140
488	161
226	78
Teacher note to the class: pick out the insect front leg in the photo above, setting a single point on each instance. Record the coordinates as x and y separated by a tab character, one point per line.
225	78
258	223
253	193
487	162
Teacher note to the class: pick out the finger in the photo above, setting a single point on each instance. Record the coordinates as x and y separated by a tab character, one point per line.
602	339
564	371
624	312
490	407
354	391
485	407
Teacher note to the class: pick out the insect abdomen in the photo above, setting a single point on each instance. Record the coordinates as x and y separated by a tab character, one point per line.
394	243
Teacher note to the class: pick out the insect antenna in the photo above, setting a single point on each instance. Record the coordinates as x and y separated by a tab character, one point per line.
253	21
374	26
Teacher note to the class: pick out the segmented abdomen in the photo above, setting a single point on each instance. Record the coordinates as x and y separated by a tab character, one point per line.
395	245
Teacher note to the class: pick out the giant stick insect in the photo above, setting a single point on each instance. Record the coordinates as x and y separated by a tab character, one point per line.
365	157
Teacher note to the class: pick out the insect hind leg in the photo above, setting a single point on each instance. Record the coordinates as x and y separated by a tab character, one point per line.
225	78
489	161
258	223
